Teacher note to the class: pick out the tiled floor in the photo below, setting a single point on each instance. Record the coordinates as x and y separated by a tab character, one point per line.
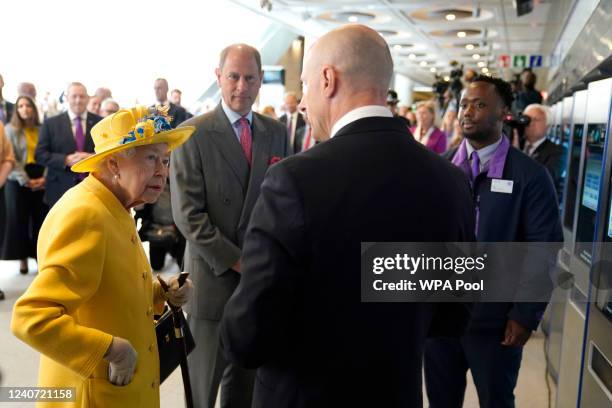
19	363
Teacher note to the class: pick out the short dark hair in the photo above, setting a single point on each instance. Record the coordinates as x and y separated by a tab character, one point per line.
503	88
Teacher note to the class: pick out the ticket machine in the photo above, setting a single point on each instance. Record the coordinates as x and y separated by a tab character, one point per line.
553	325
596	380
583	175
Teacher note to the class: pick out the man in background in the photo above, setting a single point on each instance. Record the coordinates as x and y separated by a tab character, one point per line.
108	107
176	112
6	108
293	120
527	95
526	211
539	148
219	171
103	93
93	105
392	101
64	140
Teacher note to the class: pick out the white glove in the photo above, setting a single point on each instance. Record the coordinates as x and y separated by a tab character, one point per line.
122	358
178	296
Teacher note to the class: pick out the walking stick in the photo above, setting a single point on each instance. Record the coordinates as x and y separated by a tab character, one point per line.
178	318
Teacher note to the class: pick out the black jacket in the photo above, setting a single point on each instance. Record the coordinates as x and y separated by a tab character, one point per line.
8	108
551	156
55	142
529	214
297	313
300	124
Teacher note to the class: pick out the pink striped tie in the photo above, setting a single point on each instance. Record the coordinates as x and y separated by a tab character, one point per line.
246	140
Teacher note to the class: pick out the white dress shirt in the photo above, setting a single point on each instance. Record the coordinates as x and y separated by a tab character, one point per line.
360	113
531	147
234	117
293	117
72	117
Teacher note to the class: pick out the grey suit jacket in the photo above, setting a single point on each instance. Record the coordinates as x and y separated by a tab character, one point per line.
213	199
20	149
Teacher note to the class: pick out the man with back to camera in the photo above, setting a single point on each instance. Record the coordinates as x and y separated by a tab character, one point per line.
492	346
294	121
297	314
64	140
539	148
220	170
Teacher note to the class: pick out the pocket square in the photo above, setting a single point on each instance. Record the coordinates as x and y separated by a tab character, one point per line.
273	160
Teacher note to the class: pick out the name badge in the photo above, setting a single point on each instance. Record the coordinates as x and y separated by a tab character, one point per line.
502	186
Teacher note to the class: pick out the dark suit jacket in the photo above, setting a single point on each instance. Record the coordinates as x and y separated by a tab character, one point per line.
299	125
213	201
298	143
297	313
8	110
529	214
550	155
178	114
55	142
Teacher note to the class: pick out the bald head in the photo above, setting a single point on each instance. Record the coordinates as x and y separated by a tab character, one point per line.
347	68
27	89
358	53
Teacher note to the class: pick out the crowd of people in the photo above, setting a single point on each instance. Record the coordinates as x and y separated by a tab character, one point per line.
271	237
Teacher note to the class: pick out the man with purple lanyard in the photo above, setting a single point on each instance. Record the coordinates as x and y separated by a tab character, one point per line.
515	202
64	140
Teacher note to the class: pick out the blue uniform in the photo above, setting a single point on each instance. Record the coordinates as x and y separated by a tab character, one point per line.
528	213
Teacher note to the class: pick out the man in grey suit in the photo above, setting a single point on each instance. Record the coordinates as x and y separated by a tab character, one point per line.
218	174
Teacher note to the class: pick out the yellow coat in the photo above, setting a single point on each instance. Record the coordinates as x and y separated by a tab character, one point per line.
94	282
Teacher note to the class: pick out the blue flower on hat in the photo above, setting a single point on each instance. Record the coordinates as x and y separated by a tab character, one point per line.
131	137
161	124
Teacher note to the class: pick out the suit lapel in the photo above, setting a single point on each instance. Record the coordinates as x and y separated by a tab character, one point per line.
225	138
89	144
261	152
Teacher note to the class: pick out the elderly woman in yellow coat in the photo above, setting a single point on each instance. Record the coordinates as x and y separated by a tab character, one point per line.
89	312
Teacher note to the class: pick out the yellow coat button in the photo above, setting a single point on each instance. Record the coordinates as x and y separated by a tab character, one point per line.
150	347
133	239
149	311
144	275
153	384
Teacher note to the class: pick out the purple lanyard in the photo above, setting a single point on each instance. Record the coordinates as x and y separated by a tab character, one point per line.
494	168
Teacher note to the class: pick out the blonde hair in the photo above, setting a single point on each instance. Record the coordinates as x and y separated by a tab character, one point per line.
431	107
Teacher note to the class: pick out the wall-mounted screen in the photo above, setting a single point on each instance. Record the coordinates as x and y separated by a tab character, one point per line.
591	178
603	274
572	175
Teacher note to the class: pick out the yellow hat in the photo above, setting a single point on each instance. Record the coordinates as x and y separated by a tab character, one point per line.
133	127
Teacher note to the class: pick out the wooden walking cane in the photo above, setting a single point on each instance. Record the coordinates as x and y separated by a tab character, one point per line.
178	318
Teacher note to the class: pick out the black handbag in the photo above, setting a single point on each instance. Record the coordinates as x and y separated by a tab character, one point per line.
161	235
34	170
168	344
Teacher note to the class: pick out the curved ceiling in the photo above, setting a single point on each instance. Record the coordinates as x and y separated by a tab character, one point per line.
441	32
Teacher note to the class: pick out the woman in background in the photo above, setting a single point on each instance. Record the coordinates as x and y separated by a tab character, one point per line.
7	161
425	132
25	209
